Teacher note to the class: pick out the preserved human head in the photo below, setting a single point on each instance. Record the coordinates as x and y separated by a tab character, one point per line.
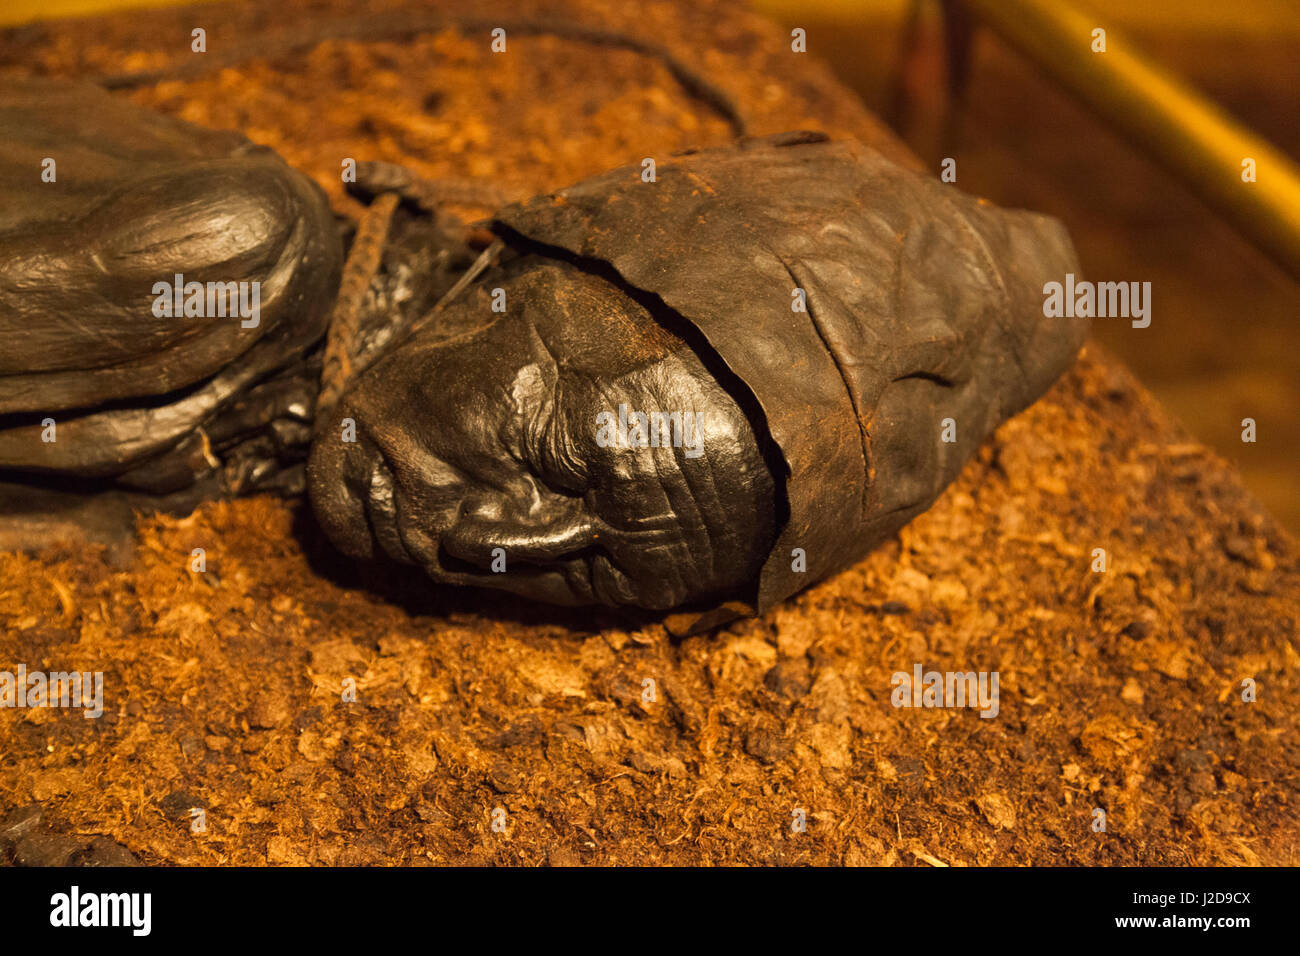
572	451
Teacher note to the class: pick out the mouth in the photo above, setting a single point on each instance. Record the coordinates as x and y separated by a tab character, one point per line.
609	585
595	579
578	578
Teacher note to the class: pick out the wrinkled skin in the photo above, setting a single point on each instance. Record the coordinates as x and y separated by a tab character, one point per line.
489	441
824	424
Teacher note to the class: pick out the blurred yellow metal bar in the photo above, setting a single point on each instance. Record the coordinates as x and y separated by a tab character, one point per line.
1183	130
24	11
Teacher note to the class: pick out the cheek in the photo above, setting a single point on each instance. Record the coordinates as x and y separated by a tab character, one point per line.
653	527
649	549
685	527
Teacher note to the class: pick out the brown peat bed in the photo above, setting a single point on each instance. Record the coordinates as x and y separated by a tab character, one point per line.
606	742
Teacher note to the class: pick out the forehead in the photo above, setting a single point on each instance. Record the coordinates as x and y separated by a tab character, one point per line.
586	322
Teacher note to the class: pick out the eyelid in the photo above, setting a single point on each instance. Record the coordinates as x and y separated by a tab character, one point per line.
405	457
550	451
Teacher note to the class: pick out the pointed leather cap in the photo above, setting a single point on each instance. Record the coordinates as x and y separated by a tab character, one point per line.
923	305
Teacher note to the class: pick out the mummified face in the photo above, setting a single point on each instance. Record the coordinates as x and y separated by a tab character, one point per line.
572	452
